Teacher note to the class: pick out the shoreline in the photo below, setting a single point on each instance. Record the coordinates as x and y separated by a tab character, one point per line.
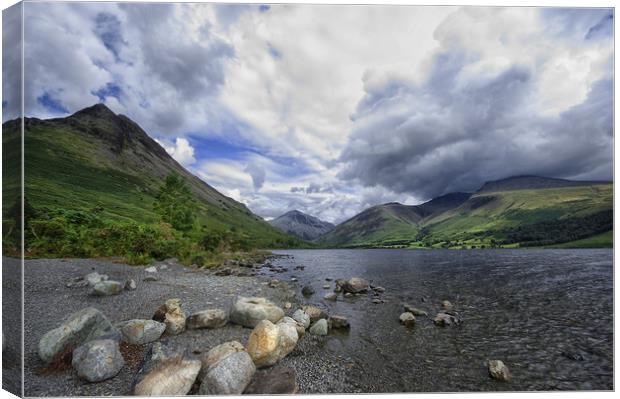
48	302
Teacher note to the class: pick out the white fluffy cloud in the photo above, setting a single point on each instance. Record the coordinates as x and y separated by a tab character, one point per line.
180	149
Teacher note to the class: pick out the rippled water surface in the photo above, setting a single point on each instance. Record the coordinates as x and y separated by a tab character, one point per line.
548	314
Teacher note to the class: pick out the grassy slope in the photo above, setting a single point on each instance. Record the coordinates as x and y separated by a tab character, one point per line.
377	226
519	207
603	240
67	168
482	213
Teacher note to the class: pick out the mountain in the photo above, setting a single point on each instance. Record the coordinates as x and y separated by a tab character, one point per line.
302	226
532	182
518	211
390	224
96	158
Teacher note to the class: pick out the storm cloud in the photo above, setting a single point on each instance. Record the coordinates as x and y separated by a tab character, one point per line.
474	120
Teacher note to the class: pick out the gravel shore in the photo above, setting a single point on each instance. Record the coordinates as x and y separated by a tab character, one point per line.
48	301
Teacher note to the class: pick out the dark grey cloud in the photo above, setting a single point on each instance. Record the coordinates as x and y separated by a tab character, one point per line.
453	134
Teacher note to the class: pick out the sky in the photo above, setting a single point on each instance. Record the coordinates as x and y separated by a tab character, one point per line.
333	109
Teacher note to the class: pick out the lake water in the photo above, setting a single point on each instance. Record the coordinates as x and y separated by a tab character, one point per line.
548	314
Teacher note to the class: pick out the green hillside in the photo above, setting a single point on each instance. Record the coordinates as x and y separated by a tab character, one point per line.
97	162
514	217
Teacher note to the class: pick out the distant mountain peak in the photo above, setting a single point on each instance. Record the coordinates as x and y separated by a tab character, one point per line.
98	110
301	225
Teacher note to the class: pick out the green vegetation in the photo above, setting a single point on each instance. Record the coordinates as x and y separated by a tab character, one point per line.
98	185
511	218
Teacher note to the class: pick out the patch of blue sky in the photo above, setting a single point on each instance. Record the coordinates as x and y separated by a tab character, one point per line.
108	29
51	104
275	53
220	148
109	90
264	7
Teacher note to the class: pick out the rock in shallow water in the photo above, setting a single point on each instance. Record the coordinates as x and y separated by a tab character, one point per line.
106	288
269	343
355	285
210	318
339	322
273	381
447	305
307	290
97	360
445	319
319	328
170	377
499	371
413	310
80	327
408	319
139	332
314	312
249	311
331	297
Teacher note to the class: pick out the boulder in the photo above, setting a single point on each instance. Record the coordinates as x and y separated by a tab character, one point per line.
97	360
107	287
218	353
269	343
499	371
326	286
348	295
307	290
273	381
172	315
249	311
377	301
379	289
76	282
447	305
170	377
408	319
355	285
150	279
413	310
301	330
228	376
319	328
86	325
130	285
331	297
274	283
151	269
94	278
210	318
339	322
139	332
301	318
314	312
445	319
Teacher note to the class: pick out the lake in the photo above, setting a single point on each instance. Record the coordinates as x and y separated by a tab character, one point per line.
548	314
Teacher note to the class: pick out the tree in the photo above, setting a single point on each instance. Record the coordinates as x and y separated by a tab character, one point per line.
174	203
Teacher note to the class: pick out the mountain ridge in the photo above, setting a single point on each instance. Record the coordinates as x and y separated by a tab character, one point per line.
96	158
301	225
507	211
